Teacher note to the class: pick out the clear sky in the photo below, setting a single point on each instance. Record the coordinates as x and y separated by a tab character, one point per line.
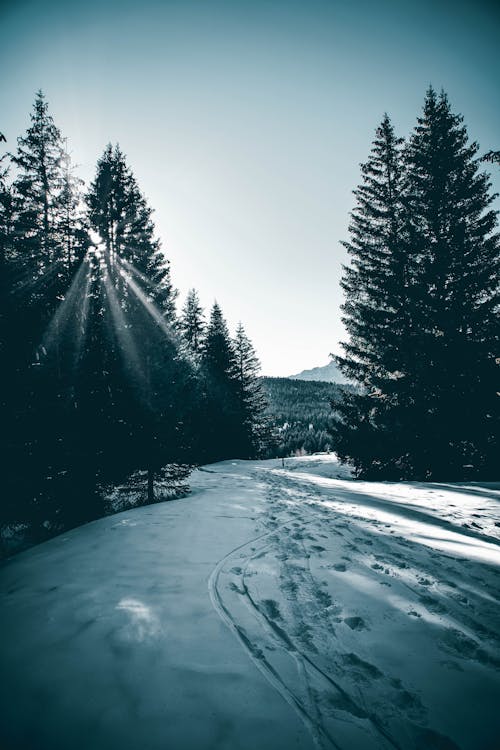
245	123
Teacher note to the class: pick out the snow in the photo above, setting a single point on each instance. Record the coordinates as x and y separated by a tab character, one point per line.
273	608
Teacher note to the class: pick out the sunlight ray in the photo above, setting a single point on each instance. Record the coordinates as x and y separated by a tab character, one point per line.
64	316
82	328
148	305
121	327
27	284
138	274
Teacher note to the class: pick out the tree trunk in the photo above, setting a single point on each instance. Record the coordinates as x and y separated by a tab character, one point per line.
151	492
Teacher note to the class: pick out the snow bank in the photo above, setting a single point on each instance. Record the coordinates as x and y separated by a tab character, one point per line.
274	608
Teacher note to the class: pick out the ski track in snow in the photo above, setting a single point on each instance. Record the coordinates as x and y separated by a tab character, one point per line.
292	630
339	614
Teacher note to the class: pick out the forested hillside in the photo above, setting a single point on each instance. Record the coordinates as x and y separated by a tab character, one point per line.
302	414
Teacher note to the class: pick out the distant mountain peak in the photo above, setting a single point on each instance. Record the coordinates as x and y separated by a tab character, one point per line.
329	373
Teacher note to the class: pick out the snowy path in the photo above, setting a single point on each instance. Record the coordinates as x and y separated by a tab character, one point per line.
271	609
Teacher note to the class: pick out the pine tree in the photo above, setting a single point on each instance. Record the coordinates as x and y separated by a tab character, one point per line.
119	213
192	325
376	314
135	377
453	400
422	313
221	418
38	274
252	401
36	189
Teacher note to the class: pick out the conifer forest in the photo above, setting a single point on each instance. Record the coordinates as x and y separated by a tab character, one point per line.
199	549
102	377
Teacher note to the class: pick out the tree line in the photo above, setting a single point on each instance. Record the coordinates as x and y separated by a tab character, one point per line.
301	414
422	308
101	376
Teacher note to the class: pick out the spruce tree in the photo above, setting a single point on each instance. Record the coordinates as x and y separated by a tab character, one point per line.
39	274
119	214
36	189
192	325
456	278
221	418
252	401
376	314
422	314
138	381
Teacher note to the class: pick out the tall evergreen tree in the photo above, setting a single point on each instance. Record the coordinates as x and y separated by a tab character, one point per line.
423	350
39	274
119	213
252	401
220	403
36	189
192	325
454	401
376	313
135	378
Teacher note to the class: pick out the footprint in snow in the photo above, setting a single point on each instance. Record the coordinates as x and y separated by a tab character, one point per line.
340	567
271	609
432	604
324	598
361	668
355	623
464	647
460	598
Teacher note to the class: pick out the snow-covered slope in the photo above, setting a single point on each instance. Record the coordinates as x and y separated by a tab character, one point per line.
274	608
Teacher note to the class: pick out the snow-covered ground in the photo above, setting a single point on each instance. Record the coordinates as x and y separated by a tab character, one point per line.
275	608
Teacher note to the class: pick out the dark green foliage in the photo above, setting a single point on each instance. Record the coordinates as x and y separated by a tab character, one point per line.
101	381
220	425
301	413
251	399
422	309
118	212
376	313
40	252
492	156
192	325
136	381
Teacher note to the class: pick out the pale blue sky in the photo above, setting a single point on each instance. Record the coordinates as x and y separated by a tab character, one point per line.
245	123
